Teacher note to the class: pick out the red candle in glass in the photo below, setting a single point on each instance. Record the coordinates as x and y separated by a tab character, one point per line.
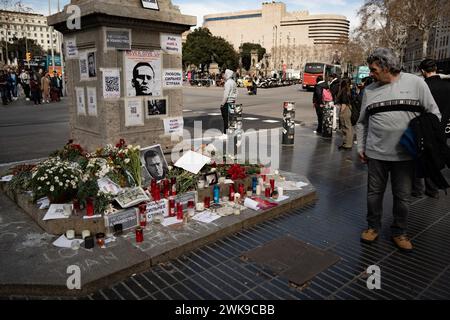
90	207
264	177
268	193
139	235
231	197
171	207
76	206
173	183
152	186
242	190
142	214
157	193
166	188
207	202
179	211
272	184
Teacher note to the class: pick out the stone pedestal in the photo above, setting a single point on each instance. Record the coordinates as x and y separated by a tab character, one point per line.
131	29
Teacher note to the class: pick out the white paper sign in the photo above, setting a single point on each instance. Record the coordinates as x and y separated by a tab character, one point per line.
111	83
192	161
83	61
143	73
171	43
58	211
81	105
251	204
133	112
92	101
71	48
172	78
174	125
157	207
171	221
63	242
150	4
7	178
206	217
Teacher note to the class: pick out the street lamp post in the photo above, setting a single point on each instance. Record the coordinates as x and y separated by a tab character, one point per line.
275	30
51	36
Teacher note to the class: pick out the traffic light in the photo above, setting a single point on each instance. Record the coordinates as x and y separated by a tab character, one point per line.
28	56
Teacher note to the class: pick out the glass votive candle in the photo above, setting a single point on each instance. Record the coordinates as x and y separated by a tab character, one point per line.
258	190
100	239
200	207
90	207
70	234
179	211
272	184
191	208
207	202
139	235
268	192
85	234
172	207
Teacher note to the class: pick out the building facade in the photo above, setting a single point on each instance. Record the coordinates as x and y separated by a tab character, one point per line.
27	25
290	38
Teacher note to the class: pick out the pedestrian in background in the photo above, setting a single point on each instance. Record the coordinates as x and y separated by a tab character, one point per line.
45	87
35	89
229	98
388	107
4	87
344	101
318	102
25	82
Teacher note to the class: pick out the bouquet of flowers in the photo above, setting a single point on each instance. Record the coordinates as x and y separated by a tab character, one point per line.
57	179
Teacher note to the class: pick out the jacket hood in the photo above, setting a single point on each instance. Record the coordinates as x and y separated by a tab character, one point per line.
228	74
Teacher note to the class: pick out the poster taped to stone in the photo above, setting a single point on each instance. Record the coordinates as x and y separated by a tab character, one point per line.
171	43
71	48
118	39
173	125
133	112
84	65
129	219
111	83
150	4
173	78
92	101
156	208
142	73
81	106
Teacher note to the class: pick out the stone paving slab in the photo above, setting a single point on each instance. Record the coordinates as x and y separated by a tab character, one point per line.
31	265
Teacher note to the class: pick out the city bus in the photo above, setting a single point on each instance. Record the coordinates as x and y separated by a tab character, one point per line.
316	69
360	73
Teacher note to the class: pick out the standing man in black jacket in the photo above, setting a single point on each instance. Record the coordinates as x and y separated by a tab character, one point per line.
439	89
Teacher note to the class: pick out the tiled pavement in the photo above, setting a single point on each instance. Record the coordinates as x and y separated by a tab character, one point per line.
334	223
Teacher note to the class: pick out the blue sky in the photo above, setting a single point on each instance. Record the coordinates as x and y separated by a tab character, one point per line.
200	8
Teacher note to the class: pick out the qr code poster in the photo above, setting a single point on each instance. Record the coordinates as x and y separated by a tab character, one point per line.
111	83
143	73
134	115
81	105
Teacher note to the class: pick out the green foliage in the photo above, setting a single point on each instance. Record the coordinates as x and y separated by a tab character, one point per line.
202	47
21	180
246	53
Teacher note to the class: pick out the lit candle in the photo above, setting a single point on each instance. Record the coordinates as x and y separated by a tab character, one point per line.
200	207
237	210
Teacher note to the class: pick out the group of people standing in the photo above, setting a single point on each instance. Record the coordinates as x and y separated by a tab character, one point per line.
388	110
38	86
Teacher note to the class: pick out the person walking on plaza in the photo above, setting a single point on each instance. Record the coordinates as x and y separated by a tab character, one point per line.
56	87
344	100
318	102
45	87
229	98
440	90
25	82
388	106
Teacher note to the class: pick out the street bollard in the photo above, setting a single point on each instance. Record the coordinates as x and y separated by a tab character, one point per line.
288	123
235	128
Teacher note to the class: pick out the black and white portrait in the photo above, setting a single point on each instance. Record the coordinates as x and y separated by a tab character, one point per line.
156	107
154	164
91	65
143	73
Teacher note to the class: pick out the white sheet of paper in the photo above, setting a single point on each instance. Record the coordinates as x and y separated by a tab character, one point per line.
171	221
192	161
56	211
7	178
63	242
282	198
288	185
301	184
206	217
251	204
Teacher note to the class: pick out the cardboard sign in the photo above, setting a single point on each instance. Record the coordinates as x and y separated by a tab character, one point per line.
129	219
157	207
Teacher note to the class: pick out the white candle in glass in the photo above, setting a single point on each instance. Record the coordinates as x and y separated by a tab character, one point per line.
85	234
70	234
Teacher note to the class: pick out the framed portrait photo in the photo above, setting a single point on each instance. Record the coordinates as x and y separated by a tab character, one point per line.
154	164
211	178
156	107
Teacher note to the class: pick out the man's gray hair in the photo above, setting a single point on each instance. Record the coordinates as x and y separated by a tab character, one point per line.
385	58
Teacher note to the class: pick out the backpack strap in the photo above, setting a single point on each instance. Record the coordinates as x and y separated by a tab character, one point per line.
395	105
